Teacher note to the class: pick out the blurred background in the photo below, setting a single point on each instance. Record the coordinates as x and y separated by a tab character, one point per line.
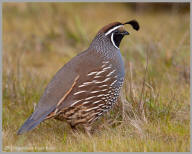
39	38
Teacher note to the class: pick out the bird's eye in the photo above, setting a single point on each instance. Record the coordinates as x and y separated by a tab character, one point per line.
116	31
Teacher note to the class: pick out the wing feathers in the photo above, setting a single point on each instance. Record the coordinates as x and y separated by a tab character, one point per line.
31	123
67	93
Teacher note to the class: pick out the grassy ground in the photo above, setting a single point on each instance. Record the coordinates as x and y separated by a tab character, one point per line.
153	112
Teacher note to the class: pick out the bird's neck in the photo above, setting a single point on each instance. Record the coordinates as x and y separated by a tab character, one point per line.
103	46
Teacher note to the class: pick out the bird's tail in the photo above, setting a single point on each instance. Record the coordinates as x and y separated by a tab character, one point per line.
32	122
29	125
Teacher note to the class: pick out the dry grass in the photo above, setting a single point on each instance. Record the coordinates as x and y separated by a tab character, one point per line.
152	113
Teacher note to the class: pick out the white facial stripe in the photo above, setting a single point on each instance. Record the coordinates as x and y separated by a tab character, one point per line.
109	31
113	41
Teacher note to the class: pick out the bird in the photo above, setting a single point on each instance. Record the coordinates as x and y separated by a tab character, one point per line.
88	85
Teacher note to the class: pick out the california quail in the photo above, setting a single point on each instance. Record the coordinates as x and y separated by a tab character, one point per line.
88	85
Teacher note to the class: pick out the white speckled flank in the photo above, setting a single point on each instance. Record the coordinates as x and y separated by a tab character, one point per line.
76	102
93	92
88	98
79	92
111	73
101	99
91	73
97	77
103	86
100	72
86	102
100	95
82	85
113	83
105	62
87	83
96	107
97	101
105	68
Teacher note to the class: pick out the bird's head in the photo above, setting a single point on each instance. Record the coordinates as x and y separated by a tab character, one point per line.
113	33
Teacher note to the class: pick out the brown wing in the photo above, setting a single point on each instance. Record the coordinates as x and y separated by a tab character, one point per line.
58	88
93	89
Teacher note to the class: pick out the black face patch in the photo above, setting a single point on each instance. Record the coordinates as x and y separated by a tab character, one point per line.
117	37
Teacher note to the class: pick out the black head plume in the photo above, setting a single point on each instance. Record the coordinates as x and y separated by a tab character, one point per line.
134	24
